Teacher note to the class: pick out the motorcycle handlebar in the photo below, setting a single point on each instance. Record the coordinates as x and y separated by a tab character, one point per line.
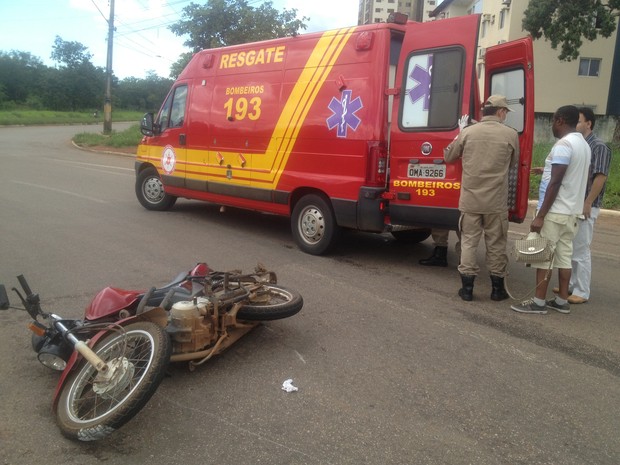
145	298
24	284
167	299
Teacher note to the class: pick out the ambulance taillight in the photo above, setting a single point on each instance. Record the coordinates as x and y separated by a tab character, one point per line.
377	160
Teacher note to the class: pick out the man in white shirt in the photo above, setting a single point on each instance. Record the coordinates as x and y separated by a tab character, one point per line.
560	202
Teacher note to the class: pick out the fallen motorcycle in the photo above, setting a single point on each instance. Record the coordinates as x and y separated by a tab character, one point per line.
113	359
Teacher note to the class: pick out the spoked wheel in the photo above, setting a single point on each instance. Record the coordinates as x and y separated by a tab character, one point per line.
92	405
271	303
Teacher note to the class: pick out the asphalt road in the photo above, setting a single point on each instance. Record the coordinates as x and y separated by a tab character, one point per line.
392	367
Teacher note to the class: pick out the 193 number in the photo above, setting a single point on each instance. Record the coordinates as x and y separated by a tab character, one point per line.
241	108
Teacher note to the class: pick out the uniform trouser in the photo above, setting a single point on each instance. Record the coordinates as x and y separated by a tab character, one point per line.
581	261
494	227
440	239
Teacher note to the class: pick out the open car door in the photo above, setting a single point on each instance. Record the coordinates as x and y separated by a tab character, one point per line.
509	71
438	84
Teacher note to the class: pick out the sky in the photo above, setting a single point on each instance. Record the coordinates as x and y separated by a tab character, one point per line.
142	41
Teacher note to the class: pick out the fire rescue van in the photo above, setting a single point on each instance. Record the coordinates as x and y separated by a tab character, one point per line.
341	129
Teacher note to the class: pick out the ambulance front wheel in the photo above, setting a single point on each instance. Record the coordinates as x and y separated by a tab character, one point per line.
314	225
150	191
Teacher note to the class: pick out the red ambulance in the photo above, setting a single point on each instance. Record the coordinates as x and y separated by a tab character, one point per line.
341	129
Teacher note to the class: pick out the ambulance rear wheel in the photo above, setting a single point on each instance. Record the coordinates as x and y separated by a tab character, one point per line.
314	225
150	191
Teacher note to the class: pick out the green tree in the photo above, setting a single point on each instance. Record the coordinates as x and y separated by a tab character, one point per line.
20	75
70	54
180	64
568	22
219	23
77	84
142	94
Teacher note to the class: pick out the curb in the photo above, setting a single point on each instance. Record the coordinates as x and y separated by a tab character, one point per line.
109	152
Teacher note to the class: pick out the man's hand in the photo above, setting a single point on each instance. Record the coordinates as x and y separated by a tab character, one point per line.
537	224
463	122
587	210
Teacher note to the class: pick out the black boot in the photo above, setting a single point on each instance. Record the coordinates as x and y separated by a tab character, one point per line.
499	291
467	291
439	258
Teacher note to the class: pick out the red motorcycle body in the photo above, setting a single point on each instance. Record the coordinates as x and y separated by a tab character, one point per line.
108	303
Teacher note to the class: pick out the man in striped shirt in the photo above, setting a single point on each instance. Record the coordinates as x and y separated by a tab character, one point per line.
599	170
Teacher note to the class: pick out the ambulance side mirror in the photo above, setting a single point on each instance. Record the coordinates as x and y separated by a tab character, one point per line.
147	126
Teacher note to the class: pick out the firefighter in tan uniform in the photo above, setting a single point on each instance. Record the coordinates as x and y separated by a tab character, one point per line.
488	150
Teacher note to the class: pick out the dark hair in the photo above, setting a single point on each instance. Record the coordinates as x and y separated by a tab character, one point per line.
588	114
488	111
568	113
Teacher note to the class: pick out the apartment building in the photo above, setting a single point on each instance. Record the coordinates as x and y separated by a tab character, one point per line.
592	80
377	11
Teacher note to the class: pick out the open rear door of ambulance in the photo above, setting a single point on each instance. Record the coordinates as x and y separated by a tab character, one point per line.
437	84
509	71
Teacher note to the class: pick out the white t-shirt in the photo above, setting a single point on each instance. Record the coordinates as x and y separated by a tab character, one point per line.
574	151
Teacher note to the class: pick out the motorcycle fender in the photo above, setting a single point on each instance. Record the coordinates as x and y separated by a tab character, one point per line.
157	315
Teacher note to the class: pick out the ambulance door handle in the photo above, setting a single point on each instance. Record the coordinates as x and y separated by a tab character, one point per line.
182	139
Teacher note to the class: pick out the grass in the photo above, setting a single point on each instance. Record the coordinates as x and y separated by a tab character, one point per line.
129	138
39	117
611	200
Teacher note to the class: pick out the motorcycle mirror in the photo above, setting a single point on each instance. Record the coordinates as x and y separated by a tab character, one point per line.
4	298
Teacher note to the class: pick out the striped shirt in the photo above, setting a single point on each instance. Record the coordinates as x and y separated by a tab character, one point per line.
601	159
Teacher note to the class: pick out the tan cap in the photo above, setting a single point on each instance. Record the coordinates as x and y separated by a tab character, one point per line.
498	101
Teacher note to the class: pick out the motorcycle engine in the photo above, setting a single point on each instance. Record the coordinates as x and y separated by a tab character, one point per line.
188	328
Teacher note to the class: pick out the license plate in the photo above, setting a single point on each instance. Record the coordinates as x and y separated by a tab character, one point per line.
427	171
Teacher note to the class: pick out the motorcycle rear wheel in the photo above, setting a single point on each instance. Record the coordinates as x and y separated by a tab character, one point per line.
88	410
271	303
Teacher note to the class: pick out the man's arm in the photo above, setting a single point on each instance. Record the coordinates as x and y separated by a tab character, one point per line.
454	151
514	161
595	190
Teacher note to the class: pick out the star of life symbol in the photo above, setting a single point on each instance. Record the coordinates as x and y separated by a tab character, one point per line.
343	116
168	159
422	88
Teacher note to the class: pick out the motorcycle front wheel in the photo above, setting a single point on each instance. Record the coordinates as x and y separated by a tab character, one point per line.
271	302
90	406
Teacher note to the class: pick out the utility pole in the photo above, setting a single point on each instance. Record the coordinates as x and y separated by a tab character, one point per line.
107	104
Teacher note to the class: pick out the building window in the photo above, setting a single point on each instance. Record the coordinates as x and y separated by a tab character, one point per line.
390	1
377	20
378	10
390	10
483	29
502	18
589	66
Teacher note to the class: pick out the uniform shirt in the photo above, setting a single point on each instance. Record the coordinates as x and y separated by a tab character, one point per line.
571	150
489	149
601	159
